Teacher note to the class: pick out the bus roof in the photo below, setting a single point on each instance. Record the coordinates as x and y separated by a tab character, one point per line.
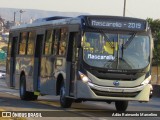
43	22
94	21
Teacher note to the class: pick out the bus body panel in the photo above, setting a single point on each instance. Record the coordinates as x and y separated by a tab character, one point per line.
49	74
48	86
84	92
122	83
25	65
47	79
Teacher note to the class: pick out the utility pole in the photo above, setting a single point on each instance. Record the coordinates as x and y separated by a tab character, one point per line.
21	11
14	19
124	9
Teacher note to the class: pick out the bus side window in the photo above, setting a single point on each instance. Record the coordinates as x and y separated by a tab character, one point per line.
62	45
31	39
48	42
56	39
22	43
9	45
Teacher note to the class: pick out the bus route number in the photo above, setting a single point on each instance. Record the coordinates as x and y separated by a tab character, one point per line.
134	25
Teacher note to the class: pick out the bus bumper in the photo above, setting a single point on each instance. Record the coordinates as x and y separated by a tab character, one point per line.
84	91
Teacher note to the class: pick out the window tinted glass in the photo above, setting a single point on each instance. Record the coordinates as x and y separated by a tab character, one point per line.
31	40
116	51
48	42
9	44
63	41
56	39
22	43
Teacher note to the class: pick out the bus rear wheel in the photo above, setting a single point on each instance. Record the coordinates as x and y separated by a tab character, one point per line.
65	102
25	95
121	105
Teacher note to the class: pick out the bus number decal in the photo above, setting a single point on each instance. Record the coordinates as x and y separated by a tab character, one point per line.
134	25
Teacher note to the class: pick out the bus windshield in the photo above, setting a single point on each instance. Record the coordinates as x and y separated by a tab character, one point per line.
116	50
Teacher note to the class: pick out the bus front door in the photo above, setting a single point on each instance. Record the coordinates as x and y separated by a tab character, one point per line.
71	65
37	62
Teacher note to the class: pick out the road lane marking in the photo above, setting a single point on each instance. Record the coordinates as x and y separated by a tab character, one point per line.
56	104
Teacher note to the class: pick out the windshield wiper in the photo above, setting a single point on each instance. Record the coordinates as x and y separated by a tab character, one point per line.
129	41
107	39
112	45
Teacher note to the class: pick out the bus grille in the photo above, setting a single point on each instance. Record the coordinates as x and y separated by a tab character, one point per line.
115	94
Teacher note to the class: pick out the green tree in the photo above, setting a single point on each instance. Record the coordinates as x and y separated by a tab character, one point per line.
155	28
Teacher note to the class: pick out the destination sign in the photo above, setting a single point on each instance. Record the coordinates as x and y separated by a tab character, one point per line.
118	24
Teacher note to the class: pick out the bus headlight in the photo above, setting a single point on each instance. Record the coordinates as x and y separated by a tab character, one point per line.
146	81
84	78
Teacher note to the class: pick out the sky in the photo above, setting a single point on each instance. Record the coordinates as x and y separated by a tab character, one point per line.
134	8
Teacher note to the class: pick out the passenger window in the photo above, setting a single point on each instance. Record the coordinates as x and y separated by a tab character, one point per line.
9	44
22	43
31	40
63	41
48	42
56	39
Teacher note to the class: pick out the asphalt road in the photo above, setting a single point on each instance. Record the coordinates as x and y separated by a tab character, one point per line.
10	101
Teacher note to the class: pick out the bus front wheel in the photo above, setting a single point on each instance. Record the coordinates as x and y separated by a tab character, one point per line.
25	95
121	105
65	102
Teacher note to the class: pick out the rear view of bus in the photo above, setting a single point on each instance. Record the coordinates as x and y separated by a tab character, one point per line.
116	60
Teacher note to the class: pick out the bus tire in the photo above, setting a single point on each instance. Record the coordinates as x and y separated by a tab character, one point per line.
65	102
22	89
32	96
25	95
121	105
